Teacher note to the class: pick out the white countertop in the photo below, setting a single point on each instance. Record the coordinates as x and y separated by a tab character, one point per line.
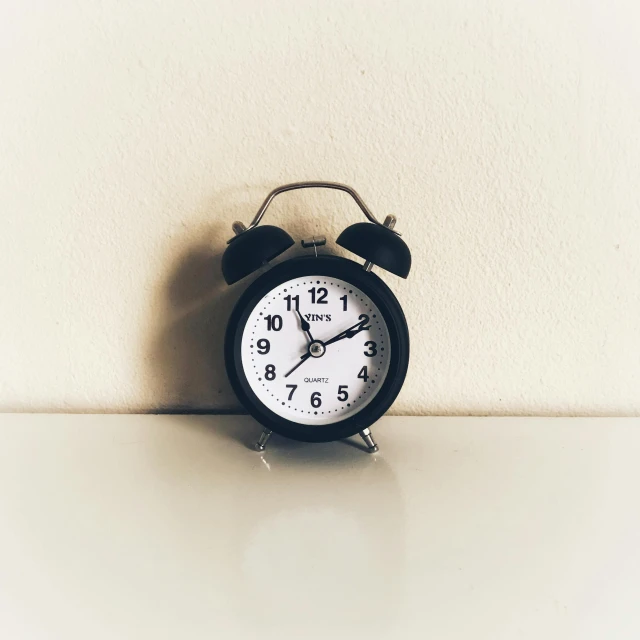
120	526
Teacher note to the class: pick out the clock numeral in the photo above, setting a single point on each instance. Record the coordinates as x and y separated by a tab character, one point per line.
273	323
321	297
264	346
371	351
363	374
364	318
344	302
293	387
291	299
270	372
315	399
343	395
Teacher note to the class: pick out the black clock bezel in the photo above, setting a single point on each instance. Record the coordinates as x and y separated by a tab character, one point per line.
367	282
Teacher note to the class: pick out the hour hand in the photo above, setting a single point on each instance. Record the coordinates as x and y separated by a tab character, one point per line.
306	327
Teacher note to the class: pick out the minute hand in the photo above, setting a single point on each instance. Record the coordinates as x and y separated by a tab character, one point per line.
351	331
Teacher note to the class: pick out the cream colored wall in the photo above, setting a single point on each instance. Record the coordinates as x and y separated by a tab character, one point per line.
504	135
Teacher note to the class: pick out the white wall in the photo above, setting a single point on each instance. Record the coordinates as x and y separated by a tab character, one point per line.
504	135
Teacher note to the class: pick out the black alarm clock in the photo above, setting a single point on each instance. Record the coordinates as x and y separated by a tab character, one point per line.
317	348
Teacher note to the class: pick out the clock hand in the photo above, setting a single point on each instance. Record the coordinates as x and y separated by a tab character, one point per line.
351	331
303	359
347	333
306	327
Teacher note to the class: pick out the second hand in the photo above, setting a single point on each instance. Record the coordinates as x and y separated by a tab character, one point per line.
303	359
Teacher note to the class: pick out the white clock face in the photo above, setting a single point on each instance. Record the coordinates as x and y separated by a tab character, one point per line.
315	350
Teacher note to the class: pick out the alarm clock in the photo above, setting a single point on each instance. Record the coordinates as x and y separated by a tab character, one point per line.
317	347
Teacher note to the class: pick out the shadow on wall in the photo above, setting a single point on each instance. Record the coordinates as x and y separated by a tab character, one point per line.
187	353
191	310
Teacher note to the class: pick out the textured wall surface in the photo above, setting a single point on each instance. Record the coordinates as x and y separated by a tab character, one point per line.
504	135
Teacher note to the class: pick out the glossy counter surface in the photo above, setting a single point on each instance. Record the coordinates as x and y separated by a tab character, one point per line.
133	526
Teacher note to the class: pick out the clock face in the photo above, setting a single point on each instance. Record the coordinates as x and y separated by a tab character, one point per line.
315	350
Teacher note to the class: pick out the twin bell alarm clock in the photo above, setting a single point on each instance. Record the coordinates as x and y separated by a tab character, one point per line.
317	347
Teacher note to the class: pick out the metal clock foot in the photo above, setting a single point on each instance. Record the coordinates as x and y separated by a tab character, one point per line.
368	440
262	440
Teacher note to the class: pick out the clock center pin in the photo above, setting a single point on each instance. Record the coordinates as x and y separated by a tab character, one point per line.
316	349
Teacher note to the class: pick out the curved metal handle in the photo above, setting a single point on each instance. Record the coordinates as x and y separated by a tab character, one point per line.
239	228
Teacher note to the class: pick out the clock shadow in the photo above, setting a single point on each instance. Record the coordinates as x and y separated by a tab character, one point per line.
186	352
192	303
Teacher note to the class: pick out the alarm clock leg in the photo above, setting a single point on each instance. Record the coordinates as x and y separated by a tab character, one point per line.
262	440
365	434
